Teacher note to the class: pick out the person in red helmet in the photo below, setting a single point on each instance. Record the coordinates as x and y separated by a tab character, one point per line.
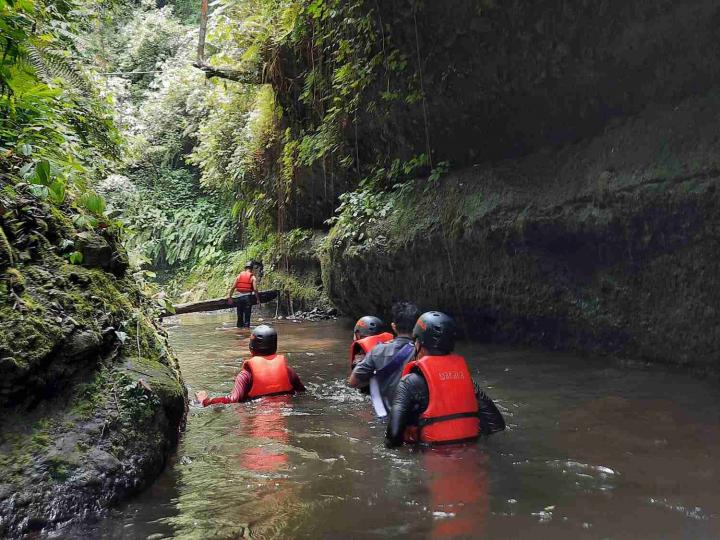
382	367
265	373
436	401
367	333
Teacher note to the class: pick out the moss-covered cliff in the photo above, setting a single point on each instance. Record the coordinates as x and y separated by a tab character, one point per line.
365	83
607	245
91	397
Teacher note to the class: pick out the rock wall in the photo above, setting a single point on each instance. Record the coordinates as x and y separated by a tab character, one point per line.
608	245
503	79
91	397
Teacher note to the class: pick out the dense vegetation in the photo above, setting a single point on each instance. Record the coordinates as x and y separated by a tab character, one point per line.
201	167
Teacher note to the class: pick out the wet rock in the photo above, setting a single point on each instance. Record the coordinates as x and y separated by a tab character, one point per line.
6	490
79	279
96	251
82	344
59	356
104	461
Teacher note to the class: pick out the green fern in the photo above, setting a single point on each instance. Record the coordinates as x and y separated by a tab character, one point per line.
50	66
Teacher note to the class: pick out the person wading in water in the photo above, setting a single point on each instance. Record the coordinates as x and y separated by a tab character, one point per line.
367	333
436	401
246	282
385	361
265	373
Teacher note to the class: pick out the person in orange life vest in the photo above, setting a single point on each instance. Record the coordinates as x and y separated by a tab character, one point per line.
436	400
266	373
246	282
387	360
367	333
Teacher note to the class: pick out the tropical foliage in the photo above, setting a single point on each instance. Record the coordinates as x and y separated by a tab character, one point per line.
203	165
56	131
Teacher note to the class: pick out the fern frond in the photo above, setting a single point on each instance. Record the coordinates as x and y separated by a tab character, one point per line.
51	66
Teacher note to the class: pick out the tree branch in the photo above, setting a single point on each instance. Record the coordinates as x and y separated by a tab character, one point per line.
229	74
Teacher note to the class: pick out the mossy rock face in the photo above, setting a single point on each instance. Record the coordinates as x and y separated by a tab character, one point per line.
80	429
598	247
7	257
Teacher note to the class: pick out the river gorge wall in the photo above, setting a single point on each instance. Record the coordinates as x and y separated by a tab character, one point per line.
580	212
90	394
608	245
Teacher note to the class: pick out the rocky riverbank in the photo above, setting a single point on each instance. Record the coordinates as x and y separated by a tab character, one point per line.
91	397
608	245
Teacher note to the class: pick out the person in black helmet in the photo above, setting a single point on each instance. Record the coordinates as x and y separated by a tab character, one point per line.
265	373
436	401
368	332
244	283
386	360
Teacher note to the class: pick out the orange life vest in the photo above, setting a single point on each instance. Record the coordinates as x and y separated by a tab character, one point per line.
269	375
243	283
365	345
452	412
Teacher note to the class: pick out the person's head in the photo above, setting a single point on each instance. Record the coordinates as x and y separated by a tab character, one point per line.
249	266
368	326
263	340
404	316
434	334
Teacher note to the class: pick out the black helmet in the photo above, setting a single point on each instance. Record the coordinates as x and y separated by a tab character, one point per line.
369	326
436	332
249	264
263	340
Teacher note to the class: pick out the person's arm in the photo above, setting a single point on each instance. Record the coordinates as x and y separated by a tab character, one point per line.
491	419
359	354
363	371
411	398
243	383
297	384
255	290
231	291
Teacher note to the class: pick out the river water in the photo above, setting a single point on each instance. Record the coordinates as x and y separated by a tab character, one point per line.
593	449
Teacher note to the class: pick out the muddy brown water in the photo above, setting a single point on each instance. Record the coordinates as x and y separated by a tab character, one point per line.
594	449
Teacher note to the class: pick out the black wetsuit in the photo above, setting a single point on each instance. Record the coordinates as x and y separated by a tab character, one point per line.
412	398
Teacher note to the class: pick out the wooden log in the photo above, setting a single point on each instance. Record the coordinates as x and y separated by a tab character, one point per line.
220	303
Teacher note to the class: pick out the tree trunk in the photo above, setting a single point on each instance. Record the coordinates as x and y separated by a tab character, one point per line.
220	303
203	31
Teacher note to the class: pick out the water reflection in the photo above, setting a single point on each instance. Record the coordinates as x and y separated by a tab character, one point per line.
457	482
267	428
594	449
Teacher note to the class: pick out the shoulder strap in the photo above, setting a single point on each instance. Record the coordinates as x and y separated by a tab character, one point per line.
401	356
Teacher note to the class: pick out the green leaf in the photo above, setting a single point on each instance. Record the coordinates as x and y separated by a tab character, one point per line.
56	191
42	172
75	257
93	203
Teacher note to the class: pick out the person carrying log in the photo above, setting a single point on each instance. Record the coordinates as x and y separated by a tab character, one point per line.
245	282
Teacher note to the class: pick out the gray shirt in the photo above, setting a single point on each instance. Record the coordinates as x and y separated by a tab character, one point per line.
380	356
